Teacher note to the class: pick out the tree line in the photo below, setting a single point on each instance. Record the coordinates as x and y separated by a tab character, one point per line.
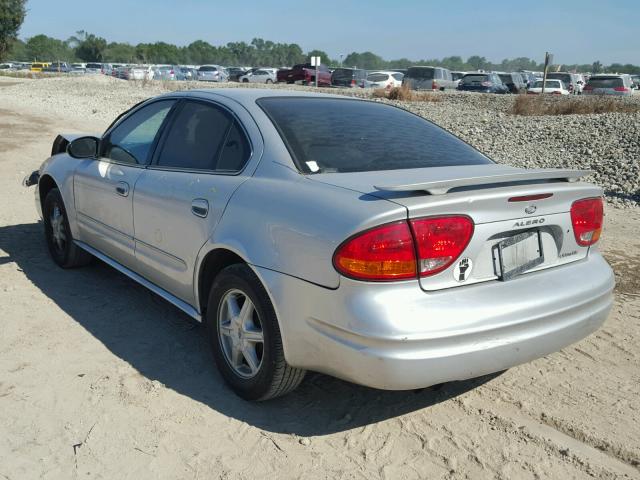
88	47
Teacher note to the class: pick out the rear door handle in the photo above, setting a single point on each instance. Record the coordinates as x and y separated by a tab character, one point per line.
200	207
122	188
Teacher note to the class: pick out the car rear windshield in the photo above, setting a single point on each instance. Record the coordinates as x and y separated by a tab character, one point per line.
344	135
208	69
94	65
548	84
377	77
506	78
606	82
474	78
421	72
565	77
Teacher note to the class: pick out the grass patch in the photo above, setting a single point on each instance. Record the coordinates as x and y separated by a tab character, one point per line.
405	94
553	105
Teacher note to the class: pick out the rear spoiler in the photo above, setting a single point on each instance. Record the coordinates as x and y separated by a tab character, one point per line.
440	187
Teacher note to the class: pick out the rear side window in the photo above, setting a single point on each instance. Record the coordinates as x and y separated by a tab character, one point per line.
196	137
344	135
235	151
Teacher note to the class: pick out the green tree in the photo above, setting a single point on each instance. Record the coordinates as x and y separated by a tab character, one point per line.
596	67
12	13
324	56
478	63
47	49
18	51
119	52
91	48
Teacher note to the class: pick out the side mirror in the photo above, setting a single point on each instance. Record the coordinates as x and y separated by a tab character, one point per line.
84	147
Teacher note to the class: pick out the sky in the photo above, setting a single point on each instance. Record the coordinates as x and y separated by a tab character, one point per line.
574	31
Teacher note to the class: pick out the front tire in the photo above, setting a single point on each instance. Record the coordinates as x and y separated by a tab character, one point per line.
57	232
244	334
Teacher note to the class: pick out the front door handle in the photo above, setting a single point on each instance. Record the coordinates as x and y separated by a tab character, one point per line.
122	188
200	207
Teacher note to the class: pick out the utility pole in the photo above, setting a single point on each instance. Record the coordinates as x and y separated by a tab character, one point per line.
548	60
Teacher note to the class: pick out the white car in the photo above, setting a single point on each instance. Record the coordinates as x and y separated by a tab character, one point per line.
262	75
212	73
141	72
383	79
556	87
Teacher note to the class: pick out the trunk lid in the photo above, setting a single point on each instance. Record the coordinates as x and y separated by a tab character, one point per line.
483	193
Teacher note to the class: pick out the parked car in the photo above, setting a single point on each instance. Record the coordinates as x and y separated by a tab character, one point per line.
482	82
456	76
529	78
555	87
305	74
141	72
77	68
261	75
513	81
383	79
635	79
57	67
38	66
93	68
121	72
429	78
337	235
608	85
6	66
189	73
570	80
168	72
212	73
348	77
236	72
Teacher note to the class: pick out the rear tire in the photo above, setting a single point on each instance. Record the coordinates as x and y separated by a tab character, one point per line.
57	232
245	337
245	80
269	80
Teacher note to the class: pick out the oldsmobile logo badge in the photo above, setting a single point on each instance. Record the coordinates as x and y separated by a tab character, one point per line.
530	209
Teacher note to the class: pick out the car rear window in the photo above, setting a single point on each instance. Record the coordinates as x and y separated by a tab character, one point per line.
469	79
606	82
208	69
421	72
506	78
94	65
346	135
377	77
566	78
343	73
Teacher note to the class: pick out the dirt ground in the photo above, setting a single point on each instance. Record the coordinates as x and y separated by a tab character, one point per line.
99	378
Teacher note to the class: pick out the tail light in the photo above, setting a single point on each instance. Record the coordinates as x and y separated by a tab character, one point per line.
353	82
389	252
486	84
434	85
588	88
171	72
556	93
440	241
621	89
586	218
383	253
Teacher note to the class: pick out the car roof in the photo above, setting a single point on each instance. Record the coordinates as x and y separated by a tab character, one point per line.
248	96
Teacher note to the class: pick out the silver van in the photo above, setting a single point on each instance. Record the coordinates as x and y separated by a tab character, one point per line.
429	78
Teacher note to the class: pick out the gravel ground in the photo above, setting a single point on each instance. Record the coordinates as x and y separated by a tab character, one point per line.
608	144
100	378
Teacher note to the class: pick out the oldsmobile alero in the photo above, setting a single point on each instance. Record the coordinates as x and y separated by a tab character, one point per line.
317	232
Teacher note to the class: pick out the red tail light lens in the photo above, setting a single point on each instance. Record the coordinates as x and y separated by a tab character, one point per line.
586	218
382	253
434	86
621	89
440	241
588	87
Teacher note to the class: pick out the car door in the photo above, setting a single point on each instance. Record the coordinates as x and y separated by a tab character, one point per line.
259	76
103	188
180	198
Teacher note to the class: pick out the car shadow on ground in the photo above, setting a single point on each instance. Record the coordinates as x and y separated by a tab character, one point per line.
163	344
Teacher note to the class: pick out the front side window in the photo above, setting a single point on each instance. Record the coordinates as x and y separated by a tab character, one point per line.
341	135
204	137
131	140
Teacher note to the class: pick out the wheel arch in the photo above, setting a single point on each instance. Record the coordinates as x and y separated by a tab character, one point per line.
212	264
46	183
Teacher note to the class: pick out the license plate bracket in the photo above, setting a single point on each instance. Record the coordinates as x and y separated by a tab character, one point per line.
518	254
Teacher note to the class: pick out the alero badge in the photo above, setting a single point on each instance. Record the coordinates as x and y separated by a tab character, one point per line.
462	269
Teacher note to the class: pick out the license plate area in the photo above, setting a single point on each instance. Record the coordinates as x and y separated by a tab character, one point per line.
517	254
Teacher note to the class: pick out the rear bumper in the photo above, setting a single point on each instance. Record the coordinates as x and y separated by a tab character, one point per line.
399	337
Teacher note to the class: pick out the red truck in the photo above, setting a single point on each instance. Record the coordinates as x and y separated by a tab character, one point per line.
305	74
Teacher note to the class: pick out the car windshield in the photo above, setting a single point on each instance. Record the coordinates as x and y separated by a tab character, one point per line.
377	77
345	135
606	82
421	72
469	79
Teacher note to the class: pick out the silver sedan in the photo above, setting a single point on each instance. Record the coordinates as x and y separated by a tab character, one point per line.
325	233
